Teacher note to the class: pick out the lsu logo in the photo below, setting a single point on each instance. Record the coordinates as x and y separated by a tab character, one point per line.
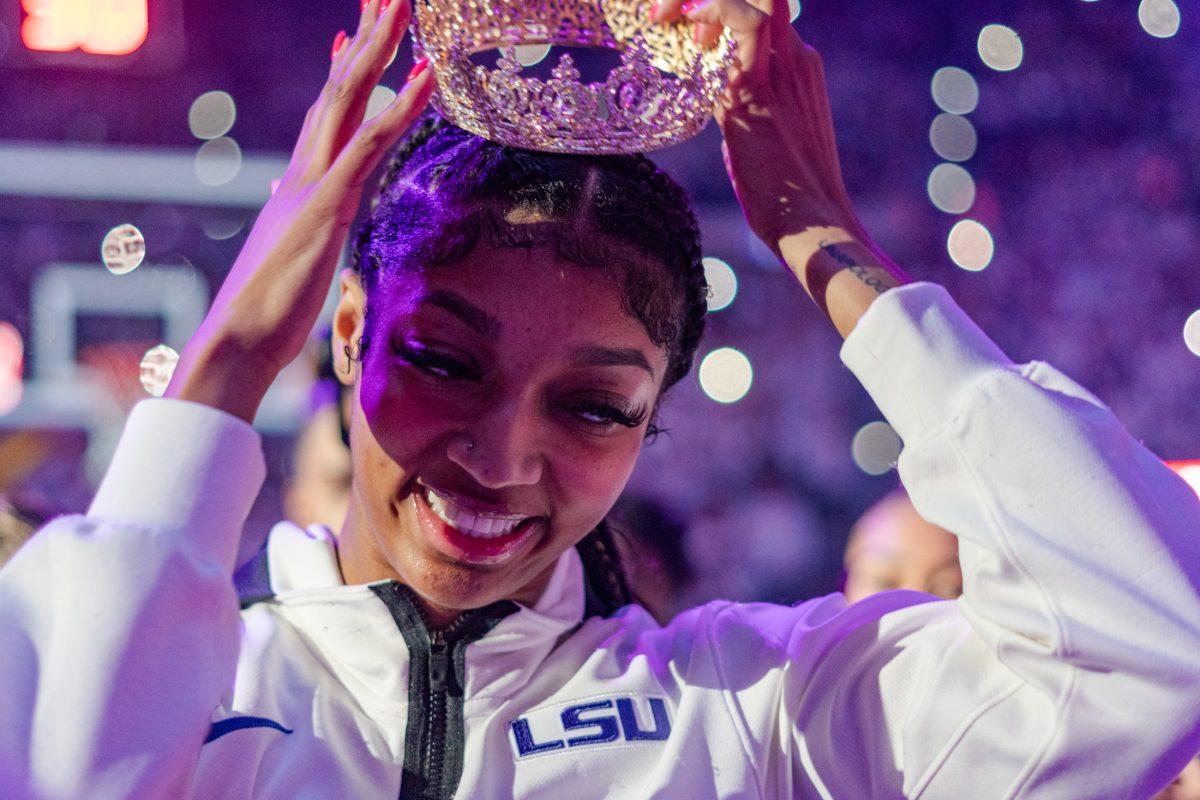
598	722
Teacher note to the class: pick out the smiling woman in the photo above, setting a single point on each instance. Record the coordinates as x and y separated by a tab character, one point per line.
510	325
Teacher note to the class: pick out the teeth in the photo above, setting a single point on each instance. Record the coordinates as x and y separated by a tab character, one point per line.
483	526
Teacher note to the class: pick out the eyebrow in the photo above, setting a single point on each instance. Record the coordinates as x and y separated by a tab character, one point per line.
475	317
486	325
597	356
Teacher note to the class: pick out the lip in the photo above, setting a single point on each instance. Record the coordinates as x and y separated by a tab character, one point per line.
475	505
469	549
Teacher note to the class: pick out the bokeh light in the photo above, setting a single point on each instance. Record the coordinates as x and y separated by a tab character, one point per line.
218	161
223	228
123	249
876	448
722	283
380	97
212	114
971	245
1000	48
726	375
1191	332
951	188
953	137
12	356
955	90
530	54
1190	472
1159	18
158	364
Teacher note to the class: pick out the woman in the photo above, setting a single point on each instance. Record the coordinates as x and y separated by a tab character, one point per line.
510	327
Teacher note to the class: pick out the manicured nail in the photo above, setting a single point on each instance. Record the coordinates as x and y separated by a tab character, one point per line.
654	12
338	41
416	70
385	5
691	5
363	5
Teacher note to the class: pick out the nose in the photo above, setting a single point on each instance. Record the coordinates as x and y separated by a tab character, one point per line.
501	447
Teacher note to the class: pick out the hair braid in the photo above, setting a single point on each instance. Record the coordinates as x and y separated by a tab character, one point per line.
603	571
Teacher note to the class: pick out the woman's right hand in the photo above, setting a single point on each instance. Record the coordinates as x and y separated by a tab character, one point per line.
272	296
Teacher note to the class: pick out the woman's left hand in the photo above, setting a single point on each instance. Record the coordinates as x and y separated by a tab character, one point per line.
781	154
779	143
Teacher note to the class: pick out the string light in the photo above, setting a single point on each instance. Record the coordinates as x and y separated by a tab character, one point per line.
1000	48
212	114
726	375
1159	18
380	97
971	245
875	448
156	369
1191	333
530	54
953	137
951	188
722	283
123	249
218	161
955	90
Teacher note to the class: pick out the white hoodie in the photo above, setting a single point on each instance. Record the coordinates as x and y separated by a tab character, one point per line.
1069	669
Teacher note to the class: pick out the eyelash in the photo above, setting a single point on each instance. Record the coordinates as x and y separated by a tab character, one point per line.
609	414
445	368
435	364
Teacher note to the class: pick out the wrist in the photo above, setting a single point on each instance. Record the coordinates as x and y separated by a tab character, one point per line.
218	373
841	269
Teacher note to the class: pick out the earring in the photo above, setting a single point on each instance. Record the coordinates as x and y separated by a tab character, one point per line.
355	357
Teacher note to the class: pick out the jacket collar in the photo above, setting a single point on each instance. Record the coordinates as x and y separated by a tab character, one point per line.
302	566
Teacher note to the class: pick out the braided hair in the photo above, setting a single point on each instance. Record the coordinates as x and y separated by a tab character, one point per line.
446	189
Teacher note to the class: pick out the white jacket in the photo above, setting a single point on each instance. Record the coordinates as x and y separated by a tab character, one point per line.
1069	669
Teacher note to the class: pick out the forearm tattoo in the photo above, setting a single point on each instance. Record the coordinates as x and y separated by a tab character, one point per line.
832	258
858	270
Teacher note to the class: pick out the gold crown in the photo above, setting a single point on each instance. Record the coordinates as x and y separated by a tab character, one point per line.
663	92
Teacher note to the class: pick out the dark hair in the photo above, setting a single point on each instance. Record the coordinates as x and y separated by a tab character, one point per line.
618	214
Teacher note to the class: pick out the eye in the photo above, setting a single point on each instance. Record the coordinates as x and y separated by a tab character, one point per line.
605	415
436	364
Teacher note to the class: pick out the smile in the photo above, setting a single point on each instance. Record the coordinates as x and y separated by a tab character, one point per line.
465	532
469	522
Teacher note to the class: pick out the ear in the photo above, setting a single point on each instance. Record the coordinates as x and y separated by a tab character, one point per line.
349	319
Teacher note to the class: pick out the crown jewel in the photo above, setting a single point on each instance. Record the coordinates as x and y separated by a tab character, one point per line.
662	93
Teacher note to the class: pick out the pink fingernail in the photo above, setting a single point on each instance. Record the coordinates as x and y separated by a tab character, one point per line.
654	13
416	70
691	5
338	41
363	5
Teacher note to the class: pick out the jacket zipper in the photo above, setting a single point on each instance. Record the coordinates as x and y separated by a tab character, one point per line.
433	743
435	722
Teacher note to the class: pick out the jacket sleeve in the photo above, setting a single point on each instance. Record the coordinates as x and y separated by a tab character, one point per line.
1070	667
119	628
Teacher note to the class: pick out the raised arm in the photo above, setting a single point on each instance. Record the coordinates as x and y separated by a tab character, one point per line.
781	154
119	629
1071	666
